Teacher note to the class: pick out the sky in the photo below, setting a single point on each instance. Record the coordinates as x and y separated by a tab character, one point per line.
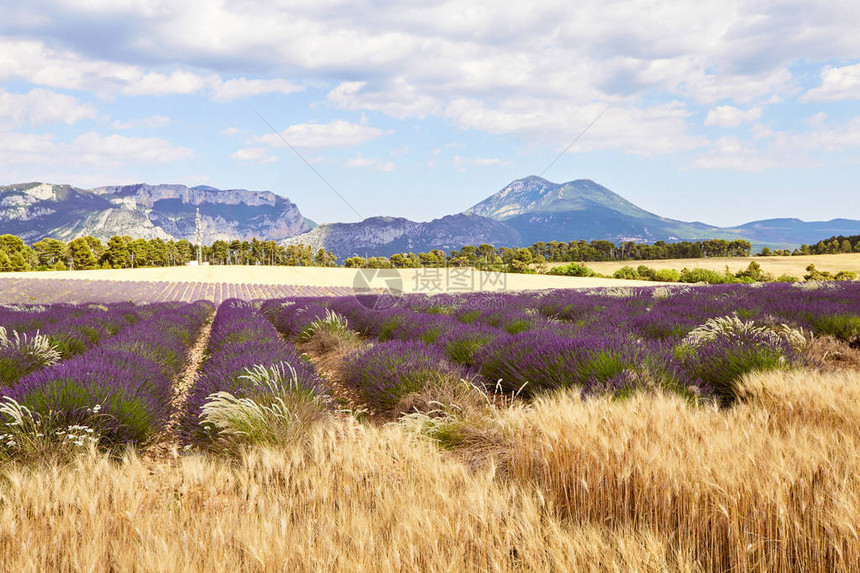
715	111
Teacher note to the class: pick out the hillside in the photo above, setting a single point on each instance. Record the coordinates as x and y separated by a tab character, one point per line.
377	236
34	211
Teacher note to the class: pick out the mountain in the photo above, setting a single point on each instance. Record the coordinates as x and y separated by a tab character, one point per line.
795	231
388	235
540	210
533	209
34	211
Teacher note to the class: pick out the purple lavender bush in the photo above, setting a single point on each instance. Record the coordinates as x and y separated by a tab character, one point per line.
716	355
533	362
460	343
388	371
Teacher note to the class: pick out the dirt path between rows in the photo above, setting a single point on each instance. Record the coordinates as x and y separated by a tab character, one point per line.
166	443
328	358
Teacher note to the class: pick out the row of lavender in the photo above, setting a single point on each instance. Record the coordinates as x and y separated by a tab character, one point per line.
241	340
32	337
46	290
120	388
698	340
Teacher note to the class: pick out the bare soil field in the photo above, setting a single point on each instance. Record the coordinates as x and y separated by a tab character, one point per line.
792	266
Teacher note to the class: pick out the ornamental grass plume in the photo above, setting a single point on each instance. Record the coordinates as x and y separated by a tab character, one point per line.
242	338
21	354
277	409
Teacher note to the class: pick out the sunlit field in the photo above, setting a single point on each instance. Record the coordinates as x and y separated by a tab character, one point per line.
219	283
668	428
776	266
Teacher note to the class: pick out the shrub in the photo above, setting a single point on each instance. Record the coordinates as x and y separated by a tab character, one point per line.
460	344
697	275
278	408
753	273
332	323
667	276
21	354
121	388
230	358
628	273
531	363
572	270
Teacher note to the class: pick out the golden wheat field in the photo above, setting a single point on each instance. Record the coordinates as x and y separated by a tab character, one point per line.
792	266
646	484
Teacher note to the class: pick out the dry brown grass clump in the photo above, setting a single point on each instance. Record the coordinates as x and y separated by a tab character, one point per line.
833	354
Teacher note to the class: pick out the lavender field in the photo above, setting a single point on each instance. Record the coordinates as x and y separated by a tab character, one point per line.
41	291
674	428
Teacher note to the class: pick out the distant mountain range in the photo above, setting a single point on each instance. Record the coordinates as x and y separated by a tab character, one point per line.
34	211
533	209
524	212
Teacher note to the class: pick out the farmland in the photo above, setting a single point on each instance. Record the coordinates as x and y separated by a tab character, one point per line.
218	283
666	428
794	266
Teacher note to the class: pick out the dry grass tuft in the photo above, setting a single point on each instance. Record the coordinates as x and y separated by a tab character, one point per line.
833	354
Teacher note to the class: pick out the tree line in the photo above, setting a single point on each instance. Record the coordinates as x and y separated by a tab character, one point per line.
521	259
123	252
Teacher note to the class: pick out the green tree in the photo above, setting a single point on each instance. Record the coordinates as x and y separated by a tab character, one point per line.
324	258
96	246
138	250
81	254
117	254
49	251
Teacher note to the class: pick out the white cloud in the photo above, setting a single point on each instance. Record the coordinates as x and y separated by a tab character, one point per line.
89	150
540	71
742	88
254	155
99	149
231	131
731	153
153	122
772	149
731	116
361	161
33	61
242	88
642	131
40	107
338	133
837	84
479	161
399	100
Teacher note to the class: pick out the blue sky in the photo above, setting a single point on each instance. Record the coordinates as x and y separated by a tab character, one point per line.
722	112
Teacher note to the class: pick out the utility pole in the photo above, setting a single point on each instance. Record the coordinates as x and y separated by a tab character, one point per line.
199	249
